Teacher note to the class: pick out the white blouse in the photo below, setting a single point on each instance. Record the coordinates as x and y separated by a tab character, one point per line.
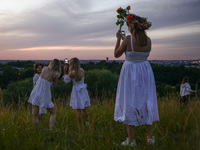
185	89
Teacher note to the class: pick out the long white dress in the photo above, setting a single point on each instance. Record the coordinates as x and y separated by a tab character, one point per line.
79	95
35	79
136	98
41	94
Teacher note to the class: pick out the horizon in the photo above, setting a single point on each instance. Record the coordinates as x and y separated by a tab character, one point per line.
33	30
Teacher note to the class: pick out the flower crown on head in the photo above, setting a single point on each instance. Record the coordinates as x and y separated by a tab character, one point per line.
130	19
38	64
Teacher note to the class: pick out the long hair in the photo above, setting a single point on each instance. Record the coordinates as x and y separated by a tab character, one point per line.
55	65
185	79
140	34
74	65
36	65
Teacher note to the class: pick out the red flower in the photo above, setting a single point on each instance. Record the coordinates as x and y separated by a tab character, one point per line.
130	17
135	24
129	7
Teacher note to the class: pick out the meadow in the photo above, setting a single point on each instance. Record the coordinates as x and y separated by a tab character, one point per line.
177	128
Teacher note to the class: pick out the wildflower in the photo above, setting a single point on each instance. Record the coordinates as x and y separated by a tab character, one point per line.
118	9
130	17
135	24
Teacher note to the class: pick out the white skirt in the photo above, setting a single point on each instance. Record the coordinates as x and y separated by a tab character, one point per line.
136	98
79	97
41	94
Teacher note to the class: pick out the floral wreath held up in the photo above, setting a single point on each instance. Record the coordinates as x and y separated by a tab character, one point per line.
125	16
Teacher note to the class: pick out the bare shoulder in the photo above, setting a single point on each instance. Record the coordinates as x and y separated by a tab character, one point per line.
45	68
72	74
127	38
82	71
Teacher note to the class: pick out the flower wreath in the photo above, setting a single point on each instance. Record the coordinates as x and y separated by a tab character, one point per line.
38	64
125	16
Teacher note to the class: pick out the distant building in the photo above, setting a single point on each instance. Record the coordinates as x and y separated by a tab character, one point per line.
107	59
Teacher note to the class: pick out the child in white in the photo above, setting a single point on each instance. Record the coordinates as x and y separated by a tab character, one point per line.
79	96
38	69
185	91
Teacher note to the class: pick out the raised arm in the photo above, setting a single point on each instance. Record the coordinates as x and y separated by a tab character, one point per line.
120	48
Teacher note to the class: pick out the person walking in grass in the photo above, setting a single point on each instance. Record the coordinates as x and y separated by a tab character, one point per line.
38	69
136	97
41	93
185	91
79	95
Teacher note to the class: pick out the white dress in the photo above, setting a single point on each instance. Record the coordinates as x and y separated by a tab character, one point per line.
79	95
41	94
41	110
136	98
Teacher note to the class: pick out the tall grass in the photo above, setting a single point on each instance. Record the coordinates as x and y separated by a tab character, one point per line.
177	128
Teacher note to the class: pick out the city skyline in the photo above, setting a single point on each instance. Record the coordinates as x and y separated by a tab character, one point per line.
47	29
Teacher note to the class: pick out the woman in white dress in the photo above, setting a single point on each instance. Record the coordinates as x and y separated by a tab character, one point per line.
136	98
38	69
41	93
79	95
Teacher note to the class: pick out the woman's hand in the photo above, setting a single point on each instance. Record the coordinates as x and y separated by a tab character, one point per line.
119	35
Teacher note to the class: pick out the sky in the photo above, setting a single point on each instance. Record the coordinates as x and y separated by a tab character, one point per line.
48	29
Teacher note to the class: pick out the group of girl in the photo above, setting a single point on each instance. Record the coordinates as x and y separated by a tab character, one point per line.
45	77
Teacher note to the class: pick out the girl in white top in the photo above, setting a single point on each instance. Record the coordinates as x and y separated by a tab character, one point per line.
38	69
41	93
79	95
185	91
136	98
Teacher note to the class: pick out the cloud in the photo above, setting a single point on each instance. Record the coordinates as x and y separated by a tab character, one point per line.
91	24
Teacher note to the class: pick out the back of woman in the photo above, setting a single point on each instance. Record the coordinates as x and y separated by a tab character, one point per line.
41	93
136	98
48	74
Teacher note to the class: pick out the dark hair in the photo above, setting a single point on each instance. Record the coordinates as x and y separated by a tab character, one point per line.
185	79
140	34
36	65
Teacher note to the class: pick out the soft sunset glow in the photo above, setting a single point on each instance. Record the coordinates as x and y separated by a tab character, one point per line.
55	28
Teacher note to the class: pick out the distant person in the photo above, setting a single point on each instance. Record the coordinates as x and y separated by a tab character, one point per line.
136	98
79	95
41	93
38	69
185	91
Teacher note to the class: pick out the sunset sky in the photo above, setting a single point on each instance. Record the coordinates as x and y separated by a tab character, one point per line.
47	29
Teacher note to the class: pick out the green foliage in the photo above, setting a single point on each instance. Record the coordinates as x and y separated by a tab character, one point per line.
26	73
61	90
101	77
21	64
18	90
9	74
101	82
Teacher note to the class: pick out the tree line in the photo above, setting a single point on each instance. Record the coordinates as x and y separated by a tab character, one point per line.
101	78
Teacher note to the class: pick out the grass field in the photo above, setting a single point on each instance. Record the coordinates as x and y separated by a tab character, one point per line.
177	129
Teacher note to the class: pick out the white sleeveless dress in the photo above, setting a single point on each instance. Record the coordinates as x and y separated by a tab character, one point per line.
136	98
41	94
35	79
79	95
